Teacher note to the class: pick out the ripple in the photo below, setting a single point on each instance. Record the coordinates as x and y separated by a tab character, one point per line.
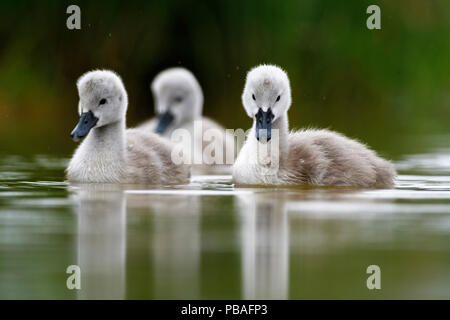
190	192
406	194
422	182
437	162
364	210
47	183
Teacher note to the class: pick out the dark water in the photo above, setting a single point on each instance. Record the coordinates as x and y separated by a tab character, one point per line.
212	240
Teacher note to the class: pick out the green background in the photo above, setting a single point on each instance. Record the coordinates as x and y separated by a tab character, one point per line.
386	87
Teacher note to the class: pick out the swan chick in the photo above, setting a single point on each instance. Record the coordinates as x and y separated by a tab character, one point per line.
178	100
109	152
309	156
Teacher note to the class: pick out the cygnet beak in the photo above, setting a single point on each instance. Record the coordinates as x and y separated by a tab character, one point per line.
164	121
264	125
86	123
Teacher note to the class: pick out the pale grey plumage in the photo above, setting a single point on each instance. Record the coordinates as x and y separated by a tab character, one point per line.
310	156
178	91
112	154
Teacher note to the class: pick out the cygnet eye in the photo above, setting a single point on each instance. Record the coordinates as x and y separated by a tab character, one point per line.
178	99
278	98
253	96
102	101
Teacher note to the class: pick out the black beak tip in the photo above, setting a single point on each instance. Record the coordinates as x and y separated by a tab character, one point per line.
86	123
266	140
75	136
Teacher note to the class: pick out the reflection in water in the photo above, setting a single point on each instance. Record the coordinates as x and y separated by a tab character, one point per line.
101	241
265	247
175	243
332	235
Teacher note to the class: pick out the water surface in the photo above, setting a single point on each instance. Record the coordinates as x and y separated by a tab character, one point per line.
212	240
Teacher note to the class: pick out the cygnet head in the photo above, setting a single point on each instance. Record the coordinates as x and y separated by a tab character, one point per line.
178	98
266	97
103	100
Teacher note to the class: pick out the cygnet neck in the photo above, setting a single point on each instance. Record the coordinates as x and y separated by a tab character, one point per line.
110	137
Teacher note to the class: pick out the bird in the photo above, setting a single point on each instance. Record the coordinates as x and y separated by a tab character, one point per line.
273	155
178	100
110	153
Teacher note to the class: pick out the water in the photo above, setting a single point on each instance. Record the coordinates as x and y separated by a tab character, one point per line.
212	240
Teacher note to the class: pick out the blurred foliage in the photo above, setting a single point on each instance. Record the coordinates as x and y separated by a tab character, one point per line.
380	86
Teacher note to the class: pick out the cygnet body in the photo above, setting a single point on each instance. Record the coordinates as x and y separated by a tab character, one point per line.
178	104
110	153
272	155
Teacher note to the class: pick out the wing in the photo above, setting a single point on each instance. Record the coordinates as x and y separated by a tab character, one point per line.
149	160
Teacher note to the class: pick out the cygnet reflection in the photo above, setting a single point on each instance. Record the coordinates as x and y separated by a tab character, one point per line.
101	214
265	247
174	246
